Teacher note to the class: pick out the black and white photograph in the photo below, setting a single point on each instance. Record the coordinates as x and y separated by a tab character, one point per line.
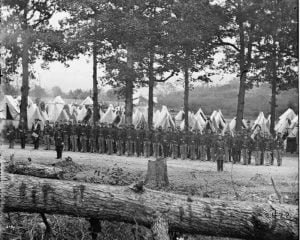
149	120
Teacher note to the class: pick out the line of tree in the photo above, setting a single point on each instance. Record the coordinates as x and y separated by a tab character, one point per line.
144	42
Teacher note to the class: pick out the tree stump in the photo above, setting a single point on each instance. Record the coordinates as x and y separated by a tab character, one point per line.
157	174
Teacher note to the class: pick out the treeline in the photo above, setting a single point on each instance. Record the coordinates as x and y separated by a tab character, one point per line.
141	43
224	97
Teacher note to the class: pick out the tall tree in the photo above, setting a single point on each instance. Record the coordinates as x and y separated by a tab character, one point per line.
28	36
238	37
192	30
86	35
277	44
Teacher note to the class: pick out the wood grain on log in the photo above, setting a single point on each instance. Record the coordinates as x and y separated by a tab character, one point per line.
213	217
36	170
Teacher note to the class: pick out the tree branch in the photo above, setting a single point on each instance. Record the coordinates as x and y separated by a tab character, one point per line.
223	43
166	79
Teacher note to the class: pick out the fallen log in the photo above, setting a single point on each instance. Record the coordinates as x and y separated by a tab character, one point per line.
35	170
213	217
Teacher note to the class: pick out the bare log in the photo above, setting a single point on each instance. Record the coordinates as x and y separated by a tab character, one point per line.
35	170
213	217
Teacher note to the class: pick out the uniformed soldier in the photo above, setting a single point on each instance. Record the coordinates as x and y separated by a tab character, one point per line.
268	150
36	131
73	137
227	144
110	140
208	143
262	146
83	138
59	141
220	152
119	141
22	131
93	138
244	150
192	150
175	143
156	142
11	135
47	132
147	142
257	152
183	149
79	137
278	149
101	139
139	141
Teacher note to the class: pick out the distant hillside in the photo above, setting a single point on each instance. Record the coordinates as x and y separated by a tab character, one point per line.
225	98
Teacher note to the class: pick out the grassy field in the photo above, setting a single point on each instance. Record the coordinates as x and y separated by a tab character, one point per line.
237	182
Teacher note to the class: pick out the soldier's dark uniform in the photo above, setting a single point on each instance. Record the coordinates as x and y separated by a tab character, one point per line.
93	139
110	140
119	141
65	130
183	148
79	137
257	151
22	133
244	150
209	143
83	138
139	142
11	135
47	133
220	152
268	151
175	144
166	136
157	143
192	146
228	146
262	147
147	143
59	141
73	137
278	149
101	139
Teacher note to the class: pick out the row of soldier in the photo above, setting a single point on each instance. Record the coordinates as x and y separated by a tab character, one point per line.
126	140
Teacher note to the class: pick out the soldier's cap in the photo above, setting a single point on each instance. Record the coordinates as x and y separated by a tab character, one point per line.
37	119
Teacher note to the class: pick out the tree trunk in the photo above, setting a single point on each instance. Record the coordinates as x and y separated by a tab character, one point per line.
160	228
129	85
243	73
95	86
25	78
157	173
186	99
213	217
151	87
273	105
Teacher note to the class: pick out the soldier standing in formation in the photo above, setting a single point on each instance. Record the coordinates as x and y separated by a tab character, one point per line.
11	135
22	132
47	133
59	141
36	131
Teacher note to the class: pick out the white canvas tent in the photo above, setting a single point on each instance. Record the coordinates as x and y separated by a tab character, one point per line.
58	100
33	112
9	108
288	114
164	119
63	116
81	113
108	116
87	101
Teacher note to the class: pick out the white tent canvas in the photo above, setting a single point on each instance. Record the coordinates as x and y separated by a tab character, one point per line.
81	113
288	114
9	108
87	101
33	112
109	116
59	100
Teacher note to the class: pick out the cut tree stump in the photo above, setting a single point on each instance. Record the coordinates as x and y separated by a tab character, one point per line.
157	173
214	217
